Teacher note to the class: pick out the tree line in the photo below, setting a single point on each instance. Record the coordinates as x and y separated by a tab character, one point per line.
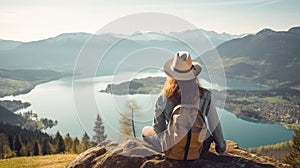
16	141
277	151
287	152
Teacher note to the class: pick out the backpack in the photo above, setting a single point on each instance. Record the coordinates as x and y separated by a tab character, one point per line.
185	134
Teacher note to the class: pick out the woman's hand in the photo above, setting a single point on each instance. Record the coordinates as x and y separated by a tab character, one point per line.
226	154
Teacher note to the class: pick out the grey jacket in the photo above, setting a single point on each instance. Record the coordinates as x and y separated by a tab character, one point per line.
164	108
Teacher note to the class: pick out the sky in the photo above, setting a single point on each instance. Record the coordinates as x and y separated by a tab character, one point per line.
30	20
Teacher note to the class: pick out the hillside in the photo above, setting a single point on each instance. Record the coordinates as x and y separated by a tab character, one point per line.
9	44
14	105
7	116
268	57
277	151
14	82
60	52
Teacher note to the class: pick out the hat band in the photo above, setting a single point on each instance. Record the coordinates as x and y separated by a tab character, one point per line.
184	71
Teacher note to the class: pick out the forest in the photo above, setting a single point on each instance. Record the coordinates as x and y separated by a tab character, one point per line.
16	141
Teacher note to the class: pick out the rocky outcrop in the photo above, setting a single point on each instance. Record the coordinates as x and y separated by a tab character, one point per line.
134	153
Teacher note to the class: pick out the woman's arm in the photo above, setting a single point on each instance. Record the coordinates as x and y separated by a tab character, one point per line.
159	117
214	124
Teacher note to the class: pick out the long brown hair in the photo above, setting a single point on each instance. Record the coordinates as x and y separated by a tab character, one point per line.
173	92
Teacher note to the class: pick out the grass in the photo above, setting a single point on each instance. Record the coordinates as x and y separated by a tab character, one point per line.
12	86
291	126
277	99
48	161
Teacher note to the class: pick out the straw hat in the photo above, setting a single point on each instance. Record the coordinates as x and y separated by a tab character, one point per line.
181	67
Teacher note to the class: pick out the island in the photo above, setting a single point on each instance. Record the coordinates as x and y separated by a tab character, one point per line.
277	105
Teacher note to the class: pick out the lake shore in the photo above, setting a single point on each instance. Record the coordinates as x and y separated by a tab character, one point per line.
269	105
17	82
252	119
53	105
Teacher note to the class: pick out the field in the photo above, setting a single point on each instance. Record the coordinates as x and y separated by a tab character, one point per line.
48	161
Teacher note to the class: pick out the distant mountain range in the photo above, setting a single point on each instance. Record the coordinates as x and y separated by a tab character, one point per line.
60	52
9	44
268	57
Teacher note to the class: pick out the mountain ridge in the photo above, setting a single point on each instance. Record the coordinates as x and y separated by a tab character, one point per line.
60	52
267	57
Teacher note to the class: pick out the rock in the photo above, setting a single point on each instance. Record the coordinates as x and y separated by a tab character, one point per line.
135	153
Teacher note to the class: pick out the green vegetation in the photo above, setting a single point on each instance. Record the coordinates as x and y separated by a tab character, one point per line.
275	99
276	151
99	130
14	105
33	122
149	85
14	87
7	116
27	120
274	105
263	58
18	141
293	126
48	161
293	158
14	82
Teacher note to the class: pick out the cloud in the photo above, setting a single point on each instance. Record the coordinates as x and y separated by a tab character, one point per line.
270	2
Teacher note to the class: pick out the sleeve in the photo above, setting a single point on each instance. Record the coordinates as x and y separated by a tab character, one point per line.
159	117
215	125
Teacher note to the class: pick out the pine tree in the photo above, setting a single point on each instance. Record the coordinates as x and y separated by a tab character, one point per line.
85	141
133	107
45	148
293	158
11	141
17	145
68	142
99	130
59	143
3	145
36	150
75	145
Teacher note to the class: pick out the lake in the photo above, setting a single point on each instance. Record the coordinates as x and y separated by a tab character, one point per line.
55	100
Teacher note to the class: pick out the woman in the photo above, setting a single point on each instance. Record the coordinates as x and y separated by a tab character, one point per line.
182	87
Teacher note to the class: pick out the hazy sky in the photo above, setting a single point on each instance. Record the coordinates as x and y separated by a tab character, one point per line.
28	20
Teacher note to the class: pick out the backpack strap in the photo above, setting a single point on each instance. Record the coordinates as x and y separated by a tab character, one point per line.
188	143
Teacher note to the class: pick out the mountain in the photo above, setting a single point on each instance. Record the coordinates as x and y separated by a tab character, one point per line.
61	52
14	82
9	44
214	37
9	117
268	57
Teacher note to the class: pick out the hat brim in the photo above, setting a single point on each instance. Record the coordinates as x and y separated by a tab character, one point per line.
182	76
